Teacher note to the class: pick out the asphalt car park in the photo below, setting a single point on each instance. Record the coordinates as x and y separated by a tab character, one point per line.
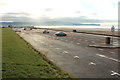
73	54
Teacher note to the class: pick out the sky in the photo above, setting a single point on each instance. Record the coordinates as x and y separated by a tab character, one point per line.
72	11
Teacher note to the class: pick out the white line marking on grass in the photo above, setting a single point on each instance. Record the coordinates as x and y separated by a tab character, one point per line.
103	56
114	73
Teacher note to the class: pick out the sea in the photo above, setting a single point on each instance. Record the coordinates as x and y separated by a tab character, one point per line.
54	25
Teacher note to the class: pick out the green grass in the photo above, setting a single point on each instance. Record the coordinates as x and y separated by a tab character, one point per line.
20	60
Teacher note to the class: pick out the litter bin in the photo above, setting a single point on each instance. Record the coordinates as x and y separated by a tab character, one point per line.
107	40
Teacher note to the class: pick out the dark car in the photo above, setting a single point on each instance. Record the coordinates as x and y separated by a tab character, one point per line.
46	31
60	34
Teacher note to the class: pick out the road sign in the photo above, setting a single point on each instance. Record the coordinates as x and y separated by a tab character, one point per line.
112	28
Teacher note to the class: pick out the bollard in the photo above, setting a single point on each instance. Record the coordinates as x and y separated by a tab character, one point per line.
107	40
74	31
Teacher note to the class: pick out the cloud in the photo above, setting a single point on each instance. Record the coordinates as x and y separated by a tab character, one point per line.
49	9
71	11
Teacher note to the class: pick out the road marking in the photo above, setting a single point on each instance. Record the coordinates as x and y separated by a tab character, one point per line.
42	42
114	73
57	48
100	49
78	43
112	52
86	40
39	40
76	57
23	33
92	63
36	40
103	56
65	52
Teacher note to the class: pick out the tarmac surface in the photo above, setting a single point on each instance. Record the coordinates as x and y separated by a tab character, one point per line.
73	54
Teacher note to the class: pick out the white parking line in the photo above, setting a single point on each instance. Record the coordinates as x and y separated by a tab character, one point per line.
42	42
65	52
92	63
39	40
76	57
103	56
57	48
112	52
100	49
78	43
114	73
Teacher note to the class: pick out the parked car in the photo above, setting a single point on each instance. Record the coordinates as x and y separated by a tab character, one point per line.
60	34
46	31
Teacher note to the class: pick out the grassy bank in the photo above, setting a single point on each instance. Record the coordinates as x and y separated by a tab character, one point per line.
20	60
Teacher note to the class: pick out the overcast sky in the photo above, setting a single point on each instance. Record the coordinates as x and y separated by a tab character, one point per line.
80	11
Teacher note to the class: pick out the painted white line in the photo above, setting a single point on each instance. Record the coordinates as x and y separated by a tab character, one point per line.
112	52
114	73
103	56
23	33
65	52
57	48
78	43
42	42
39	40
92	63
100	49
76	57
36	40
86	40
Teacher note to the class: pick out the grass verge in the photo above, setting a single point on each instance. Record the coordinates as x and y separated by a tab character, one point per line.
20	60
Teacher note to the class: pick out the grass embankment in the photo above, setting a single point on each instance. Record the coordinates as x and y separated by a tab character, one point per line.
20	60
